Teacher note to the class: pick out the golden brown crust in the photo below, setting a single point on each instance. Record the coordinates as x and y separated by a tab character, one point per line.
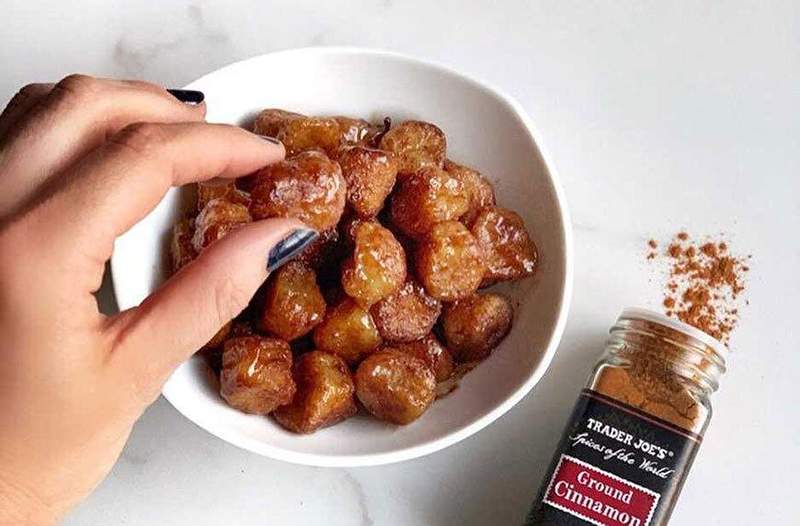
309	187
474	326
407	315
480	193
256	374
217	219
226	190
395	386
507	247
303	134
426	198
449	262
370	176
324	394
431	351
356	131
416	144
299	133
181	247
347	330
293	303
377	267
272	120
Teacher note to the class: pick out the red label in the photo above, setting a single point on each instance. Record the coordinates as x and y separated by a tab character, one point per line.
599	497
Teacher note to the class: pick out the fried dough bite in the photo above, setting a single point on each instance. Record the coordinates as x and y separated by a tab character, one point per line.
395	386
309	187
474	326
425	198
506	245
310	133
293	304
347	330
431	351
218	218
324	394
256	374
449	262
416	144
370	176
272	120
298	132
356	131
221	190
480	193
377	267
407	315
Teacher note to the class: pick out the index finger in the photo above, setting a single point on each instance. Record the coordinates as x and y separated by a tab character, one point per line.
76	116
122	181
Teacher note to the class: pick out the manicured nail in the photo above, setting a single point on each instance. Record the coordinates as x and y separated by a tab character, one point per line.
188	96
267	138
289	247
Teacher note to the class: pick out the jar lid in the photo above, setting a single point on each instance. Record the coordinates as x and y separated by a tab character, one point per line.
656	317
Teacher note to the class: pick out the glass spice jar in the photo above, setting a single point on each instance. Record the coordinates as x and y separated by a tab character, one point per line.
636	428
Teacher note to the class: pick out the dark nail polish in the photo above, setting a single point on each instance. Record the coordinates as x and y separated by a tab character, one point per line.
289	247
267	138
188	96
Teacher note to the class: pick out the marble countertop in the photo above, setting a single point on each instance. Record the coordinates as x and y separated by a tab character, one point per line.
659	116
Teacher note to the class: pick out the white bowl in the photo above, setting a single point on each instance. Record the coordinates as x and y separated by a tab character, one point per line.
485	129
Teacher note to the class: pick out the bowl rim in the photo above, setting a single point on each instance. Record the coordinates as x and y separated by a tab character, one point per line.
453	437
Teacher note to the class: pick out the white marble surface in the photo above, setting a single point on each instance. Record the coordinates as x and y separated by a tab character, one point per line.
659	115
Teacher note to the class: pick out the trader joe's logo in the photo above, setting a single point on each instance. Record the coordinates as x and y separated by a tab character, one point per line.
599	497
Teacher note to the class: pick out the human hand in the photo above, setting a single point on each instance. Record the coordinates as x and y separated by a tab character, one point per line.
80	163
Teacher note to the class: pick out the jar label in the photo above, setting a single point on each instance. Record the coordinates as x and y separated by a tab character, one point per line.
616	466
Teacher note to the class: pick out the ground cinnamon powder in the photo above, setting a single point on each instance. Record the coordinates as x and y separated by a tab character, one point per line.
652	394
646	377
704	285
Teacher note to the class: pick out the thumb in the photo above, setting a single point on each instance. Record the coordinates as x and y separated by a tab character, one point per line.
181	316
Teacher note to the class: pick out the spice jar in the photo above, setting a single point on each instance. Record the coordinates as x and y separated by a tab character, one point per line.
636	428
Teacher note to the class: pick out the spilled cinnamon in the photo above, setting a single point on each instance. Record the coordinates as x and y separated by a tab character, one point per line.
704	285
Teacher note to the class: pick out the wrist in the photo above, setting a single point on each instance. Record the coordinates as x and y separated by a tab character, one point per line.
20	506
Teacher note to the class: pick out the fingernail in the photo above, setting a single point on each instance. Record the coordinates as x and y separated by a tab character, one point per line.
267	138
289	247
188	96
